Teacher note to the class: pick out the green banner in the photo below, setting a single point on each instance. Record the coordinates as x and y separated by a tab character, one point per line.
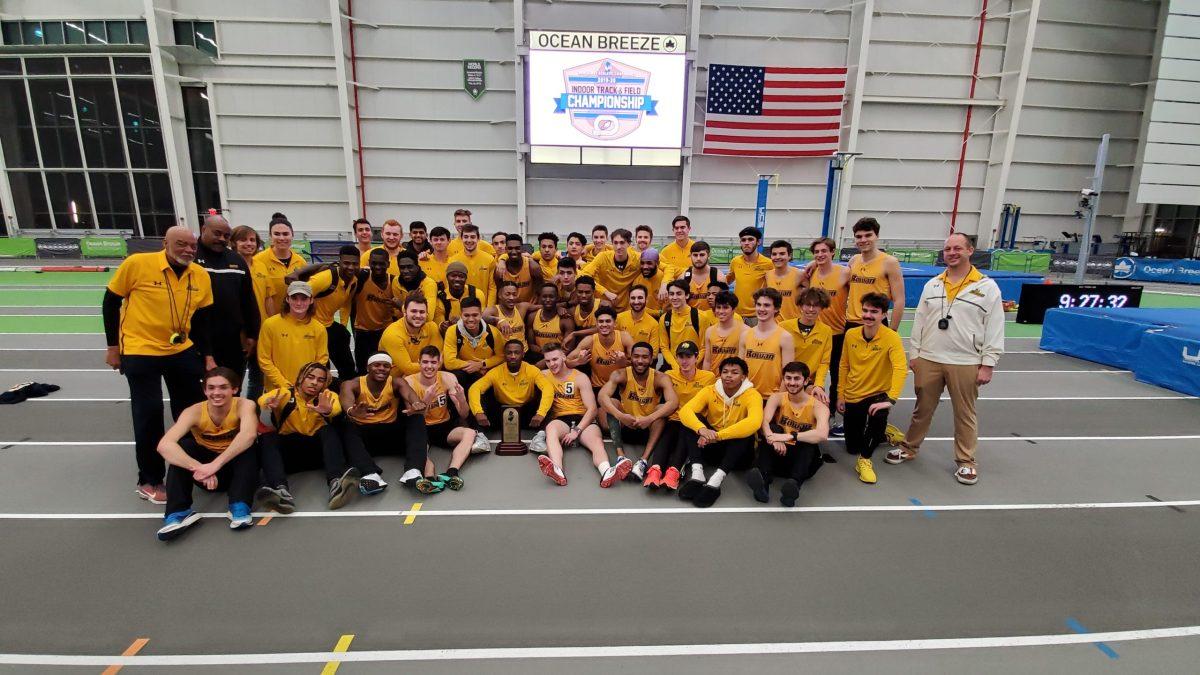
474	77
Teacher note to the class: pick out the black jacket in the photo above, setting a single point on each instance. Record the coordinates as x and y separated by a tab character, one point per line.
234	307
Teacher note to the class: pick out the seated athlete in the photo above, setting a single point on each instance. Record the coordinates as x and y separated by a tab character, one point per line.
604	352
873	370
547	324
437	390
637	416
472	347
374	425
686	381
303	439
573	421
813	339
447	300
208	445
508	314
721	421
793	424
514	384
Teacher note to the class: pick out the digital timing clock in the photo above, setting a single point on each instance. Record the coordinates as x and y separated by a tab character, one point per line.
1037	298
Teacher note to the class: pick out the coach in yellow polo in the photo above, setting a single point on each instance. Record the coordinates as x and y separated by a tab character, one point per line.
156	323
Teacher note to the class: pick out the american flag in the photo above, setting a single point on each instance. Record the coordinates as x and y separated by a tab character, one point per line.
757	111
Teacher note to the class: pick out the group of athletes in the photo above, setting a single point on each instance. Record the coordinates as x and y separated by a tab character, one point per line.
398	348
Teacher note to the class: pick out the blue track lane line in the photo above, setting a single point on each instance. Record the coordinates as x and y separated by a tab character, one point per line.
928	513
1074	625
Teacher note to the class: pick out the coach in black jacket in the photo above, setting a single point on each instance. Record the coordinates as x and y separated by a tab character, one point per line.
235	319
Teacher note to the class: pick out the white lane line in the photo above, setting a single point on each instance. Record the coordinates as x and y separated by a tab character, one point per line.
994	439
601	652
648	511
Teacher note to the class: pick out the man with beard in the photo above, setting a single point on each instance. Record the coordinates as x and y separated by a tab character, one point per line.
404	339
418	239
639	417
374	306
515	384
472	347
393	237
448	298
793	424
412	279
481	266
636	322
748	272
548	324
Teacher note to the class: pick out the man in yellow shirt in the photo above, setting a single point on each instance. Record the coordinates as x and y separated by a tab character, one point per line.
393	238
292	339
412	280
785	279
748	272
813	339
599	243
639	413
448	296
680	323
516	384
873	370
472	347
334	286
653	277
687	380
721	422
678	254
872	271
404	339
462	218
576	244
616	270
547	256
166	298
793	424
363	232
700	276
435	261
638	323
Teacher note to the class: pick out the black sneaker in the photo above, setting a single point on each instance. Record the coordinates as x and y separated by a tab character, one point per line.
690	489
758	485
342	489
707	497
276	499
789	490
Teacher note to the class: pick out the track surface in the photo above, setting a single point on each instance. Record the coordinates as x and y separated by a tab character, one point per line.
1065	532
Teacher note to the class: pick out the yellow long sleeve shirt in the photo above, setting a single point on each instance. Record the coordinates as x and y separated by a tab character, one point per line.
814	348
604	270
676	257
490	349
285	345
873	366
332	295
644	329
682	329
481	273
515	389
737	416
405	347
301	420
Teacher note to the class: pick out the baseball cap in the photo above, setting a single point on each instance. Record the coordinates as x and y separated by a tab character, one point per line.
687	348
300	288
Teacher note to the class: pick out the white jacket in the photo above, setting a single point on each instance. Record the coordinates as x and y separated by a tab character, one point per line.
976	332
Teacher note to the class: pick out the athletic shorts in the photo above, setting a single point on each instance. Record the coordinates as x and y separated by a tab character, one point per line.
571	421
438	434
634	436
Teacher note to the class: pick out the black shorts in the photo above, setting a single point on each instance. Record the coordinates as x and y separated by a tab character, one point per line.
438	434
634	436
570	420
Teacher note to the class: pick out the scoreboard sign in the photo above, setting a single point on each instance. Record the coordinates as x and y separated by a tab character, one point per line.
1037	298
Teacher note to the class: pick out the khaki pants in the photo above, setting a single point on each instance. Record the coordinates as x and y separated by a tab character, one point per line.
930	380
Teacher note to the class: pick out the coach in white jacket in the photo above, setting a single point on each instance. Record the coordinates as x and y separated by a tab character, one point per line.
957	338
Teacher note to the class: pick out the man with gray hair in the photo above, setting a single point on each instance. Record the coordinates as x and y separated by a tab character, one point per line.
235	311
957	338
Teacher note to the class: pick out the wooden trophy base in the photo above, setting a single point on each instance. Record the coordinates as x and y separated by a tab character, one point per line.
514	448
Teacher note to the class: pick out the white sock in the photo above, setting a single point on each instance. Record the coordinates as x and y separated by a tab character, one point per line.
603	468
375	477
698	471
410	475
717	477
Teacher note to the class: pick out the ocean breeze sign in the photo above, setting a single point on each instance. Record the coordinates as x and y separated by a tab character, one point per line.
1155	269
606	89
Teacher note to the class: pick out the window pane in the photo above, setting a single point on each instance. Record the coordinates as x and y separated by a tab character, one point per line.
53	66
138	34
69	200
131	66
96	103
52	32
10	66
117	35
200	146
195	107
12	32
208	191
206	37
154	193
89	65
75	33
96	34
31	32
29	198
103	147
114	203
16	131
183	33
138	102
55	120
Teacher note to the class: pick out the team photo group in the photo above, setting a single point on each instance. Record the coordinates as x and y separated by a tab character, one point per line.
275	364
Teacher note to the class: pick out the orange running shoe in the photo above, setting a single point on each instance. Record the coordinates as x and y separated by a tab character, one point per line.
671	478
653	478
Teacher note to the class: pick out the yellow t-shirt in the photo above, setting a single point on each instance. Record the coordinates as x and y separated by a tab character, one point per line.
686	389
747	277
605	270
675	327
274	271
813	348
435	269
603	358
393	268
158	303
872	367
676	257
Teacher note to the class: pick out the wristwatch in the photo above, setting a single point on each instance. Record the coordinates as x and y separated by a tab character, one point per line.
796	436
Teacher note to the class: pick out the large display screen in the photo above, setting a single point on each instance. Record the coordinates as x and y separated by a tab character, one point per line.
1037	298
617	90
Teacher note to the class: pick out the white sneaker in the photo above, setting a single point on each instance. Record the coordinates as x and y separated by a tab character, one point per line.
616	473
538	443
639	470
481	444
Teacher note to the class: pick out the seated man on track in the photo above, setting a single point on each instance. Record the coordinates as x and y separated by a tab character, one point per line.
211	443
373	424
303	439
513	384
722	421
546	324
669	453
472	347
637	417
438	390
573	421
793	424
604	352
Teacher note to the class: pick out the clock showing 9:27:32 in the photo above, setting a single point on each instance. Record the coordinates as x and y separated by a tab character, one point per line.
1037	298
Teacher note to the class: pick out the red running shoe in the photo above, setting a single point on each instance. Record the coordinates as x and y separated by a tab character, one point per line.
654	478
671	478
552	472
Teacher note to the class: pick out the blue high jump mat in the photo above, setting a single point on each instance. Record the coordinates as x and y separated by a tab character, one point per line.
916	276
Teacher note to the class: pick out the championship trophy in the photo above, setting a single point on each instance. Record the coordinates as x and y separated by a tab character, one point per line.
510	434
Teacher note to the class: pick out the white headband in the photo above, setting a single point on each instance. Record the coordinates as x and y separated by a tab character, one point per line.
380	358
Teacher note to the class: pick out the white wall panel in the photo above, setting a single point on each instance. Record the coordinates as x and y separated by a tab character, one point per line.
267	37
283	188
281	160
280	131
405	190
436	135
640	16
439	163
426	104
312	220
1170	153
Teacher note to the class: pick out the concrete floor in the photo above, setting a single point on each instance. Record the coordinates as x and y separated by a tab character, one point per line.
513	562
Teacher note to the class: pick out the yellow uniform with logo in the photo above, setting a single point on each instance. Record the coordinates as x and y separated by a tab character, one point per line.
616	277
814	346
512	326
653	284
302	420
546	331
866	277
603	358
481	273
834	315
639	400
686	389
676	327
698	286
405	347
644	329
871	367
373	308
747	277
793	419
381	409
786	285
764	356
720	347
217	437
676	257
568	400
584	320
438	411
331	295
285	345
523	278
273	271
512	389
158	303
